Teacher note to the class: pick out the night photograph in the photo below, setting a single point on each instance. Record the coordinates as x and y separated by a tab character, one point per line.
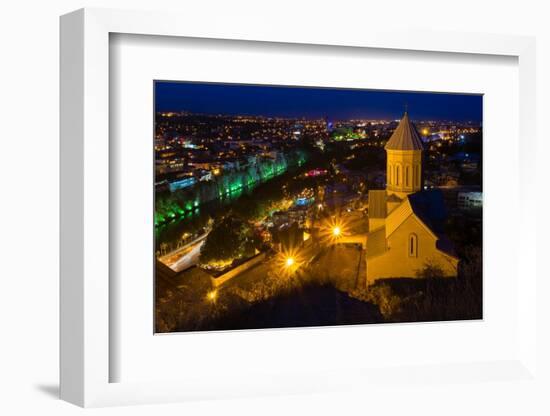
282	206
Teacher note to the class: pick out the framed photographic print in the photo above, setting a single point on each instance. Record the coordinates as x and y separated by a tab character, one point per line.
281	206
284	213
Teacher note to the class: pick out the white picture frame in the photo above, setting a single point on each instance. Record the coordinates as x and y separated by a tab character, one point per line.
85	213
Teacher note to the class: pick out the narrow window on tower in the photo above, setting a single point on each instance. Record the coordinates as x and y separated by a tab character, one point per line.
397	175
413	245
407	176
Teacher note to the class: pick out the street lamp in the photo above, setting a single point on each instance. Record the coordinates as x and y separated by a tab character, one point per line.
336	231
289	262
212	295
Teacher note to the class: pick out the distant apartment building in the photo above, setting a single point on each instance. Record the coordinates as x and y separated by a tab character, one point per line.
164	166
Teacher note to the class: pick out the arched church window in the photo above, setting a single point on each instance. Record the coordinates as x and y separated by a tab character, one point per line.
407	183
413	245
397	175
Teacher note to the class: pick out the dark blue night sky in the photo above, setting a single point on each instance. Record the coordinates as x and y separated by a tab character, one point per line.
337	104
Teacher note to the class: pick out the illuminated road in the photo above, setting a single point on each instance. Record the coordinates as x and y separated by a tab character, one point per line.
189	258
186	256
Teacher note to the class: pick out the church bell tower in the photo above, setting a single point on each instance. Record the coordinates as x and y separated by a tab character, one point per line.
404	160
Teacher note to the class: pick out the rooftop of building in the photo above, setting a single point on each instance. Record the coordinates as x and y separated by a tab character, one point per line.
405	136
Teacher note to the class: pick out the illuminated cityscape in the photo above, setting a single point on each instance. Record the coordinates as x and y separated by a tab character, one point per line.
268	216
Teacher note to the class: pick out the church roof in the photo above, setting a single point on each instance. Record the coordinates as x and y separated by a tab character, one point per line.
393	198
405	137
429	209
429	206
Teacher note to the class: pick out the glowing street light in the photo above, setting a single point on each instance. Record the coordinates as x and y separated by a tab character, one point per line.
289	261
212	295
333	229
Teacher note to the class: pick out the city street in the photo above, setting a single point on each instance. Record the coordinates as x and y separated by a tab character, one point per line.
186	256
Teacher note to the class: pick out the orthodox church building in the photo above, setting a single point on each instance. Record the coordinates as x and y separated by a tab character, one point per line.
406	223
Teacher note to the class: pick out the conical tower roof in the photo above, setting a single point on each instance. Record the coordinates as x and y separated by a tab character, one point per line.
405	136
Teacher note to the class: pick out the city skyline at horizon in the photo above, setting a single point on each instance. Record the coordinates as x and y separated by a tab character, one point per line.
314	102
